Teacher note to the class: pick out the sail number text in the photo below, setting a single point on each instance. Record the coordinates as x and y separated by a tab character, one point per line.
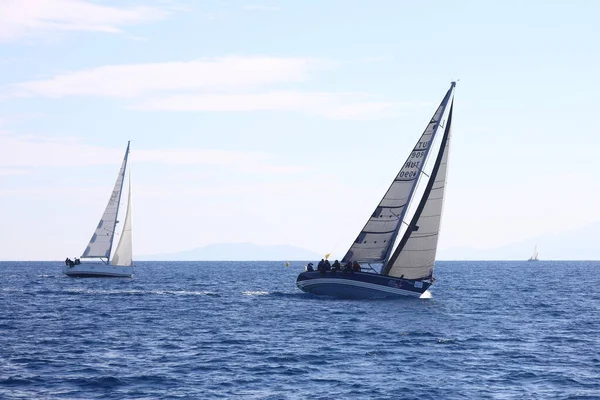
407	174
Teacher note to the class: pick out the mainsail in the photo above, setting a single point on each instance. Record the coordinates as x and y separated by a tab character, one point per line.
375	241
415	255
101	242
123	255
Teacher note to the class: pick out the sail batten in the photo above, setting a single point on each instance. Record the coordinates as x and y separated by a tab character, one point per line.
100	244
414	257
375	241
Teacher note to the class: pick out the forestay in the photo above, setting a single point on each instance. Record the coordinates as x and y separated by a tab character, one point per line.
101	242
374	243
414	257
123	254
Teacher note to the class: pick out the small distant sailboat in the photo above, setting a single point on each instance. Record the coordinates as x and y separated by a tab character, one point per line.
406	270
534	256
101	244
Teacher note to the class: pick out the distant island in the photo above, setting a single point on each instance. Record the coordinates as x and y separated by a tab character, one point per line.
574	244
236	252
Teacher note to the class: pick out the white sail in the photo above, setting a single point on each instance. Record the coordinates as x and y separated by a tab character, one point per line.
374	243
414	257
123	256
101	242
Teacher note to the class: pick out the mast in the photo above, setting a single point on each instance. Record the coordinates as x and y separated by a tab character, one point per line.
413	227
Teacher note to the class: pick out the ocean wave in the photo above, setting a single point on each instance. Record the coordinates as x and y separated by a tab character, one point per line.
15	381
193	331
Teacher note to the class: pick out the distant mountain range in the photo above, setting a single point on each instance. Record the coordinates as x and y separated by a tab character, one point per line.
575	244
237	252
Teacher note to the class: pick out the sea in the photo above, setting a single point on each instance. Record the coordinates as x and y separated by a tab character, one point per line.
242	330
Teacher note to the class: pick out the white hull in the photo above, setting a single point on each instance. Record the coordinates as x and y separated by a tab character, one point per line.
99	270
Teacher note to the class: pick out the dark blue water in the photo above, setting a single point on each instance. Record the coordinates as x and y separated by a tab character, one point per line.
200	330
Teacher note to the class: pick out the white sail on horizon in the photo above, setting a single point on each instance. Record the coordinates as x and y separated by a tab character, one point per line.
534	257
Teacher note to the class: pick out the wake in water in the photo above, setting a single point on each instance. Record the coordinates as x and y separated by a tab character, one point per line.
140	292
278	294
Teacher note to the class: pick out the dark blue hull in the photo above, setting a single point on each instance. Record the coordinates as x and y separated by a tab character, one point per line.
359	285
76	275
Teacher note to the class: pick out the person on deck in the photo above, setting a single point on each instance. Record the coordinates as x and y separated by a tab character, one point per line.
336	265
67	261
309	267
321	266
348	267
327	266
355	266
77	261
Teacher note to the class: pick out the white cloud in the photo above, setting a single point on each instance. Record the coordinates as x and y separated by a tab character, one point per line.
249	162
19	152
12	171
134	80
226	84
24	18
258	7
332	105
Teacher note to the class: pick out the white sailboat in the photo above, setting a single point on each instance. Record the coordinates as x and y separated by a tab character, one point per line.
534	256
374	265
97	255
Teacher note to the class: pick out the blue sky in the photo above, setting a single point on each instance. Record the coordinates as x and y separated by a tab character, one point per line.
283	122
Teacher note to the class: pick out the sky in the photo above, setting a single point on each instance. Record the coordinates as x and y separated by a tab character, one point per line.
283	122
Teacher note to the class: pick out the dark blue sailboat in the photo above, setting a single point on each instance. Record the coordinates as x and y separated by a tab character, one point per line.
406	269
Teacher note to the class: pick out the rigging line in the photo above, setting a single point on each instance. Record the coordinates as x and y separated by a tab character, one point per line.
394	214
